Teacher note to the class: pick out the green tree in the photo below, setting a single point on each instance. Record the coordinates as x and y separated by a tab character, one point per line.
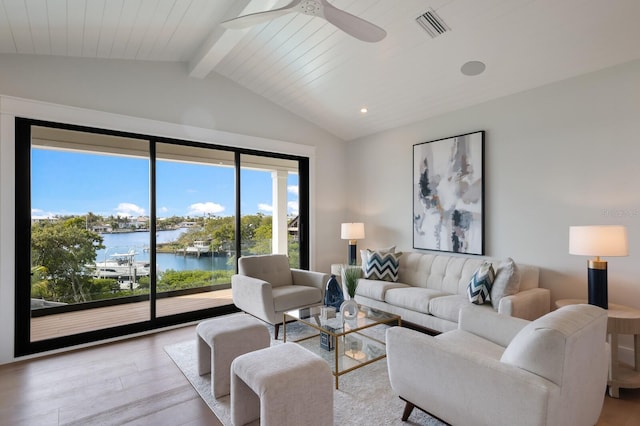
262	236
222	232
144	283
169	222
63	249
103	287
293	252
39	283
93	220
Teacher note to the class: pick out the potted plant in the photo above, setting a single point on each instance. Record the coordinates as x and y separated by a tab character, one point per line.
349	307
351	275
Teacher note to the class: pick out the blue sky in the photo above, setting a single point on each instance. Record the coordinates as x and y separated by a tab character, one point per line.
66	183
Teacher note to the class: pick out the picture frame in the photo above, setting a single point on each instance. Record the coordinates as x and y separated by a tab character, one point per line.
448	194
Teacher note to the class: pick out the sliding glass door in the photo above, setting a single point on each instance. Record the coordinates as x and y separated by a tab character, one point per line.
119	233
269	207
89	229
195	227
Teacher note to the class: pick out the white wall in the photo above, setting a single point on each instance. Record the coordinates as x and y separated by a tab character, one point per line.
560	155
159	99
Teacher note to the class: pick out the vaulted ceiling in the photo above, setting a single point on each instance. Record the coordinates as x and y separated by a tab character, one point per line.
326	76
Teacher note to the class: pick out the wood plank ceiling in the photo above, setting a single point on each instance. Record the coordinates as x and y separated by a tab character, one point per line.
318	72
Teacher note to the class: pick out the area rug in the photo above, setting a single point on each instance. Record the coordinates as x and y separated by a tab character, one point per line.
364	398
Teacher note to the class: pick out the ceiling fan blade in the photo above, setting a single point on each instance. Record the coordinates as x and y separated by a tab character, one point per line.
352	25
252	19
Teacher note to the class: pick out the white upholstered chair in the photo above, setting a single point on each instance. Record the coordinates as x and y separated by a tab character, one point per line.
500	370
266	287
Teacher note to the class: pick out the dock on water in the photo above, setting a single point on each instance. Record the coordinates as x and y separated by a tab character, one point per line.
199	248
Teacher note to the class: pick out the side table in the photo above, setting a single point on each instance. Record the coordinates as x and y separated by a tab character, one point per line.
622	320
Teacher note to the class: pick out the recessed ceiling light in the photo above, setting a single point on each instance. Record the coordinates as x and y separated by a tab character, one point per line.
364	110
472	68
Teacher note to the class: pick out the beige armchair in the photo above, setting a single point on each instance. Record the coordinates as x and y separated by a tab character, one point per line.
500	370
266	287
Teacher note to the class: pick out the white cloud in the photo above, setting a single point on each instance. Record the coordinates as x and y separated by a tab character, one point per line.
41	214
205	208
265	207
293	189
293	207
129	210
163	209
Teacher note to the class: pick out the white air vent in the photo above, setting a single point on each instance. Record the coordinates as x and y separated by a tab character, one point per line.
432	23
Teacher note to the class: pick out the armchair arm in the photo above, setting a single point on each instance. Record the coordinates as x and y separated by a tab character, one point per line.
253	296
461	386
528	304
490	325
310	279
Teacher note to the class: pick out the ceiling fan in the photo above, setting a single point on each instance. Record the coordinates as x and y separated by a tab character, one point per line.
350	24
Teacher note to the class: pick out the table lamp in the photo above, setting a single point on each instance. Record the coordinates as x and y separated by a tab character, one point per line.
352	232
603	240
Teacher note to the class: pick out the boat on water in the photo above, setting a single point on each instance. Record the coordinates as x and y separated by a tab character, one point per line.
121	266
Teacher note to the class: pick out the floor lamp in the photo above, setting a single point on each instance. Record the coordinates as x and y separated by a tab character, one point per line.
352	232
605	240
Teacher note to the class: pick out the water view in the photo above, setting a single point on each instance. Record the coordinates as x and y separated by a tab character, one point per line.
138	242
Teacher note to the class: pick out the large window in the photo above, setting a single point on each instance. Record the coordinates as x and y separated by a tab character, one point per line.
119	233
269	207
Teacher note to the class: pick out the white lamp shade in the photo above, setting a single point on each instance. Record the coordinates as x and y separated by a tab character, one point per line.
603	240
352	231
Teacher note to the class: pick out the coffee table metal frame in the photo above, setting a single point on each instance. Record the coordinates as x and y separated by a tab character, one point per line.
366	318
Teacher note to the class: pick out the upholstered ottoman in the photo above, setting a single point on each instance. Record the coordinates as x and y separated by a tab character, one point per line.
221	340
282	385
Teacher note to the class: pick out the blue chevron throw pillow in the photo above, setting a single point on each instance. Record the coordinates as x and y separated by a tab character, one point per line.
479	288
382	266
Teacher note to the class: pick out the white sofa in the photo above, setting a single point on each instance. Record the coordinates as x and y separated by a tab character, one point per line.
432	288
499	370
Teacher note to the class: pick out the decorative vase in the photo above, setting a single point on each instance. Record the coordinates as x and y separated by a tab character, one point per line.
349	309
333	293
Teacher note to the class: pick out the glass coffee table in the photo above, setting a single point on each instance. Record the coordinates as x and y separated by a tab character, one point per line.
346	345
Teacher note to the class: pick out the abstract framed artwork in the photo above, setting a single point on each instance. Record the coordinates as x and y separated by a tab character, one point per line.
448	194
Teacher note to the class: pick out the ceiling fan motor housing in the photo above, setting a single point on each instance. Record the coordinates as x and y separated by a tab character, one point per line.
311	7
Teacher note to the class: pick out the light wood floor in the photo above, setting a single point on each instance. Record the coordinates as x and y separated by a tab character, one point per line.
134	382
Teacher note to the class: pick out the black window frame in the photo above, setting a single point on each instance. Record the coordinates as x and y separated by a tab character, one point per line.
22	339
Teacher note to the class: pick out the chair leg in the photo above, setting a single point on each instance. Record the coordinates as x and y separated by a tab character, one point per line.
408	408
275	334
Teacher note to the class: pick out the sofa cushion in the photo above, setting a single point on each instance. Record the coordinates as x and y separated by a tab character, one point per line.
451	274
506	283
479	288
364	254
382	266
376	289
448	307
287	297
413	298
